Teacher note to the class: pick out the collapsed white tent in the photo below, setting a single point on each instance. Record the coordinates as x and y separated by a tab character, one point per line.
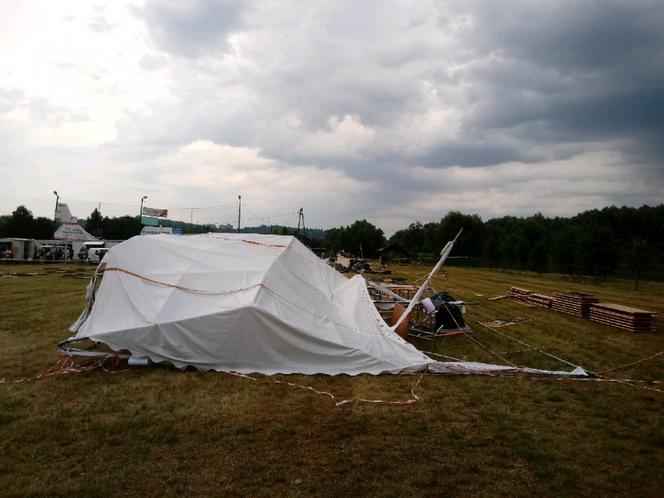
246	303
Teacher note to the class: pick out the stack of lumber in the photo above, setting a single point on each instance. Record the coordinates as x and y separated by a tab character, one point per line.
539	300
623	317
573	303
519	293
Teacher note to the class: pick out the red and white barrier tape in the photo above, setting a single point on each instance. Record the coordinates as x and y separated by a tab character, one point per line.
634	362
64	366
338	402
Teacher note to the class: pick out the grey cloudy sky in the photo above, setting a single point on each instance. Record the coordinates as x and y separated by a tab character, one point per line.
390	111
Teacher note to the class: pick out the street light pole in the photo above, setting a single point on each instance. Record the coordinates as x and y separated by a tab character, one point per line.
140	215
239	211
57	199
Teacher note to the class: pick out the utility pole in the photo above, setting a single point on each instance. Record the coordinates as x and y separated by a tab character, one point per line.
300	217
239	211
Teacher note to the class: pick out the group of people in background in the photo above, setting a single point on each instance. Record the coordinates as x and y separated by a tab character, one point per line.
56	253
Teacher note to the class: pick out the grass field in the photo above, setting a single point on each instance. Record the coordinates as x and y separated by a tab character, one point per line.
159	431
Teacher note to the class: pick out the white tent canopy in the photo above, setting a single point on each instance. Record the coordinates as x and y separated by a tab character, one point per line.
241	302
246	303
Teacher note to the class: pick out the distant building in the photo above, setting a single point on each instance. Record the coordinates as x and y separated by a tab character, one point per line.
16	249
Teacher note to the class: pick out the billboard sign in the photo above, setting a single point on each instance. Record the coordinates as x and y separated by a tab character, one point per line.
157	213
149	221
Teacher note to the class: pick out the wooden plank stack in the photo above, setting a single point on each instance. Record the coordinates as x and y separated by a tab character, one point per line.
573	303
519	293
623	317
539	300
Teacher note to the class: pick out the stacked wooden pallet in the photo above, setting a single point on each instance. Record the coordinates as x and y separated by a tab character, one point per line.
539	300
573	303
623	317
519	293
385	303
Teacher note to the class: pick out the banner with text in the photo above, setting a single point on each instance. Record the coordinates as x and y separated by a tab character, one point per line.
72	231
157	213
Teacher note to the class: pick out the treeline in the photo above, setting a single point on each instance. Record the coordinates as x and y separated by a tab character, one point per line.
622	241
22	224
125	227
359	239
611	241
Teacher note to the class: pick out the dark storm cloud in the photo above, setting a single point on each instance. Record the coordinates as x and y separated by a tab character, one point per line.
190	29
583	71
584	35
377	91
470	155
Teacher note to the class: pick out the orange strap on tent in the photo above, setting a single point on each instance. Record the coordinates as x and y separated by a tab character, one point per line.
220	293
176	286
261	244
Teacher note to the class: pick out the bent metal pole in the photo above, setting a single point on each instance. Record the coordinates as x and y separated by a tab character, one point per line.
416	299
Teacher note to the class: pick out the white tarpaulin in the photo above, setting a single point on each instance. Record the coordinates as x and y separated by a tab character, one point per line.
245	303
242	302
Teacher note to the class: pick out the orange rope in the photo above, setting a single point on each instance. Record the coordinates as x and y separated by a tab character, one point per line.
261	244
176	286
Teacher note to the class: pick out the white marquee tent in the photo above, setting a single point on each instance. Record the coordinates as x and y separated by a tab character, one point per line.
245	303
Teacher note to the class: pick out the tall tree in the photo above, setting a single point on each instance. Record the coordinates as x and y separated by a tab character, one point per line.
360	239
94	224
21	223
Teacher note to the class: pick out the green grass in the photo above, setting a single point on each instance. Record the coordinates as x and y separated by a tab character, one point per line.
159	431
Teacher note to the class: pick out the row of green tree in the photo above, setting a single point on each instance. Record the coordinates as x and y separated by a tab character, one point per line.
124	227
598	242
21	223
612	240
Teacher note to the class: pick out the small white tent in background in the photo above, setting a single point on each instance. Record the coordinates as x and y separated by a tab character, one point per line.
72	231
69	228
246	303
